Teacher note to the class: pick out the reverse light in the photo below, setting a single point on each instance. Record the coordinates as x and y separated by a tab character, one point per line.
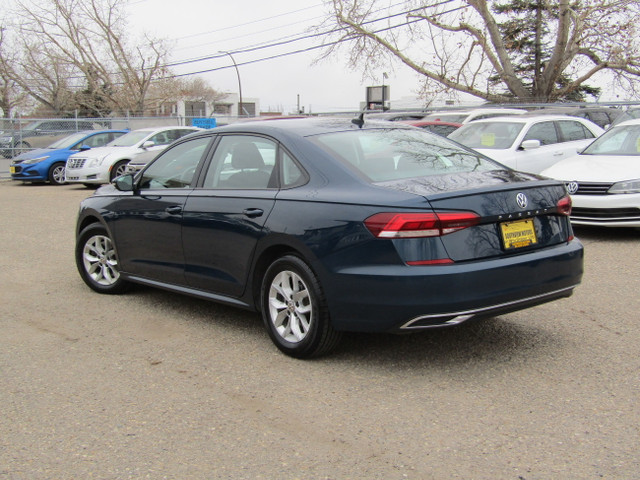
564	206
416	225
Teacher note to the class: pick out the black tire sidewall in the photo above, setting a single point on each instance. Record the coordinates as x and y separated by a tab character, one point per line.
92	230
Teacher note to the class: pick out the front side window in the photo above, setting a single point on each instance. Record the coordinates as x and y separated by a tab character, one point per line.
545	132
243	162
176	167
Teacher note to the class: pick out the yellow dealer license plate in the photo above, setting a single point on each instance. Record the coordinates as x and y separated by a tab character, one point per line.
12	169
518	234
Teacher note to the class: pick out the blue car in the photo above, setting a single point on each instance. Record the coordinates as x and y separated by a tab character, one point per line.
327	225
48	164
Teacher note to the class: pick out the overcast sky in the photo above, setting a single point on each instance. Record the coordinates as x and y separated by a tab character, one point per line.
199	28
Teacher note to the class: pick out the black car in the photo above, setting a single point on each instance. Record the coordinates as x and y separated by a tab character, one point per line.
330	225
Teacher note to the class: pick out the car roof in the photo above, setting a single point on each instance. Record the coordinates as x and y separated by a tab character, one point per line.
160	129
304	127
528	117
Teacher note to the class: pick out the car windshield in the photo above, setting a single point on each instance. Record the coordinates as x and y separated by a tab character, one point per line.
622	140
393	154
499	135
130	139
67	142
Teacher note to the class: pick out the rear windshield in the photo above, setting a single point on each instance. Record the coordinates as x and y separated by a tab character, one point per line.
392	154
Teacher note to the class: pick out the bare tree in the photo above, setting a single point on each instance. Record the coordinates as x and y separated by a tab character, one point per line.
463	46
89	39
11	95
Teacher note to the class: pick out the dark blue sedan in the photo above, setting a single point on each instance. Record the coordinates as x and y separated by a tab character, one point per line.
333	225
48	164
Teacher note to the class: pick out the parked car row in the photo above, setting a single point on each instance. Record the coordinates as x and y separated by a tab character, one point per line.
331	225
92	157
603	178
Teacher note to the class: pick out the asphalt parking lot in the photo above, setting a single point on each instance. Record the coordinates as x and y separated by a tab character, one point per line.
155	385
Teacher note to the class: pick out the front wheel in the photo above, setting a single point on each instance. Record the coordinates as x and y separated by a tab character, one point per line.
97	262
294	309
56	174
120	168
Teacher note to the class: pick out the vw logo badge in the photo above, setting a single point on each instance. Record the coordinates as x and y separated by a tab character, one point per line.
522	200
572	187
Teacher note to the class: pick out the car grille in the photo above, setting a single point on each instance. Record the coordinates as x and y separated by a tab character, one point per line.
76	162
605	215
588	188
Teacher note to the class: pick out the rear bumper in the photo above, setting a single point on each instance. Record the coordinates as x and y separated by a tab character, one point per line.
401	298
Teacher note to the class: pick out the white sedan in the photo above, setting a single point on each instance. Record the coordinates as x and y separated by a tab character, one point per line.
102	165
528	143
604	180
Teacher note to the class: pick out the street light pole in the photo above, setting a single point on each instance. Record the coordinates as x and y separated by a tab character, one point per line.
239	84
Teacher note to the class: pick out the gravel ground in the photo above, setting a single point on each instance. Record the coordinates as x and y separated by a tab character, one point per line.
155	385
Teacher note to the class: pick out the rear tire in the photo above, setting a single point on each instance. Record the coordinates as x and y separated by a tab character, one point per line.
294	309
97	261
56	174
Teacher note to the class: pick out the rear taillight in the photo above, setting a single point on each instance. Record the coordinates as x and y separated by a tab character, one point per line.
415	225
564	206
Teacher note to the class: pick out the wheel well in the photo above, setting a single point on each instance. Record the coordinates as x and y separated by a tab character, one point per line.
267	258
86	222
119	161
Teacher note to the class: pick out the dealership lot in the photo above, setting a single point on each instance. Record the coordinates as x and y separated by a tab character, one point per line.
155	385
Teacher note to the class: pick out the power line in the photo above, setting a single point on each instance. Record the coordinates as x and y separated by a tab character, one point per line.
286	41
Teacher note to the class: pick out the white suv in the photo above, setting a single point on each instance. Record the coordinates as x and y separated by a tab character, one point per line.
528	143
102	165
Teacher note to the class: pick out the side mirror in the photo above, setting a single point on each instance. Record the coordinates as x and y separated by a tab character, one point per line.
124	183
84	148
148	144
530	144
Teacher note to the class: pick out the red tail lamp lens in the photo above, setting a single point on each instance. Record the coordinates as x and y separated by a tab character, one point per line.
564	205
415	225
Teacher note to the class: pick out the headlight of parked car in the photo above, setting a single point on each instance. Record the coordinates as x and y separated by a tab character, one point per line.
35	160
5	139
628	186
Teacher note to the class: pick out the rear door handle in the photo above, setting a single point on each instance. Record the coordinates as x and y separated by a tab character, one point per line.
175	210
253	212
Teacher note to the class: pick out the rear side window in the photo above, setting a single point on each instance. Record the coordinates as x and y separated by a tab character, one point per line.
243	162
572	131
393	154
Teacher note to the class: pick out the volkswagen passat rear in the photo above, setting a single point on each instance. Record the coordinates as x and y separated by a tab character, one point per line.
327	225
